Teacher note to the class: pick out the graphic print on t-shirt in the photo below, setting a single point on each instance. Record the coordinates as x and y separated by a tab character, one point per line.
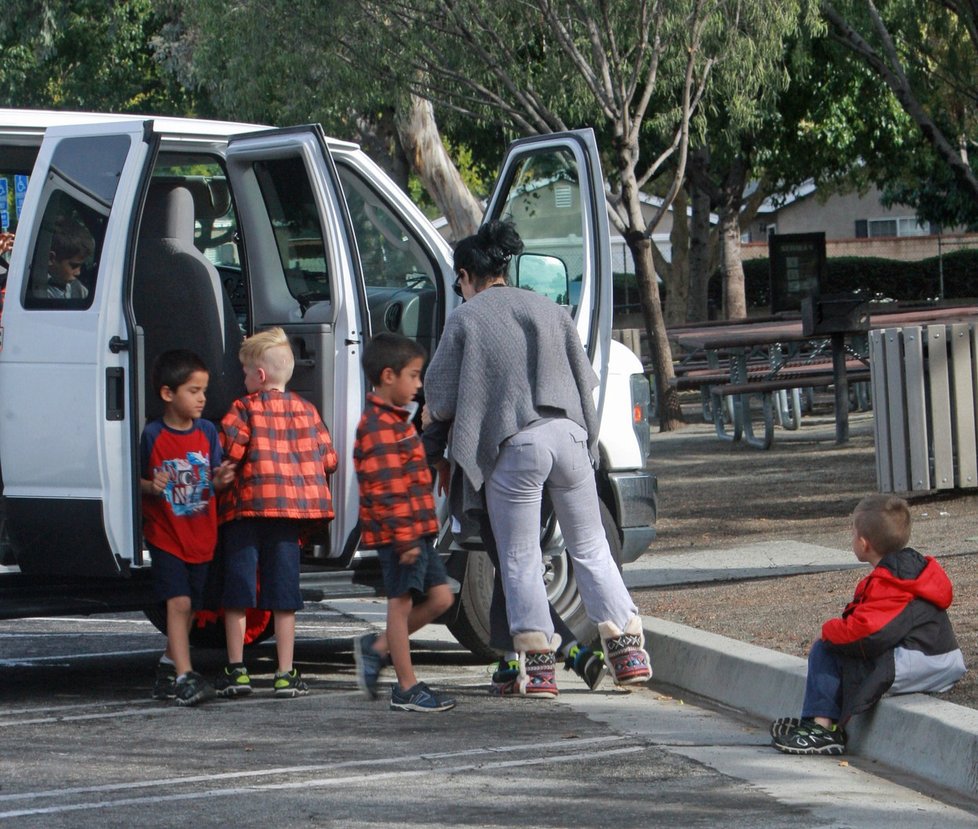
188	485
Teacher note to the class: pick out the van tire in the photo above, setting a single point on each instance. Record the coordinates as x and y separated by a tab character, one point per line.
470	622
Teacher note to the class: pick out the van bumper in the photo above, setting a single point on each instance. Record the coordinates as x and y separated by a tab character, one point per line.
634	496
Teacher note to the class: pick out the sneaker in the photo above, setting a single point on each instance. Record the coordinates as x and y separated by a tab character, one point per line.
193	689
505	678
782	725
368	663
588	664
419	698
165	685
233	681
809	737
625	652
290	684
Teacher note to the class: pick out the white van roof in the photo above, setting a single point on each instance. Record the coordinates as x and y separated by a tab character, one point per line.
36	121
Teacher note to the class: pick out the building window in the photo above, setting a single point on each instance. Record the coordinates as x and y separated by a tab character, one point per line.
896	226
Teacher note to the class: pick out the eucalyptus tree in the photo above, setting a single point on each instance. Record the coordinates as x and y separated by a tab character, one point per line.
637	72
926	52
297	62
86	54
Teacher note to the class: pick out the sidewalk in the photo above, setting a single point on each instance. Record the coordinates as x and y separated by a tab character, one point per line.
916	734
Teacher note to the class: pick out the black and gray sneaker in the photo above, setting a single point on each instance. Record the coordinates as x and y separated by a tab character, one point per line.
165	684
419	698
782	725
233	681
808	737
193	689
588	664
368	664
290	685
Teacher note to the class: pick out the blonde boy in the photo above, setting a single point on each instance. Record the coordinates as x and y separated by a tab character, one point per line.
284	456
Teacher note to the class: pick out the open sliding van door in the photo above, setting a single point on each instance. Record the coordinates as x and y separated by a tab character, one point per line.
303	274
68	436
553	189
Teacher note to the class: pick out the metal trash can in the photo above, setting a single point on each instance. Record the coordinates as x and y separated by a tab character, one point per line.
924	402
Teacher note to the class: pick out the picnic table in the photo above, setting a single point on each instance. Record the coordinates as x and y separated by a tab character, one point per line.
758	365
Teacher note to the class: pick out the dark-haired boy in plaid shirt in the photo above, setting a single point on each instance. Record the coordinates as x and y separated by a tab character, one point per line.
397	516
284	457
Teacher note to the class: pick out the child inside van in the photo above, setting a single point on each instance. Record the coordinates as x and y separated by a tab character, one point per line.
180	459
284	457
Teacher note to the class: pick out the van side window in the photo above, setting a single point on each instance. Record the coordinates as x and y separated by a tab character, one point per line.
65	260
78	192
398	271
545	203
295	221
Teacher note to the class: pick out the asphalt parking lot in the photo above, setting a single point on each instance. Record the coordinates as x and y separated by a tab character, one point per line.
82	744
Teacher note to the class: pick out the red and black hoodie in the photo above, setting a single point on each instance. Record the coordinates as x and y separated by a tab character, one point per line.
902	603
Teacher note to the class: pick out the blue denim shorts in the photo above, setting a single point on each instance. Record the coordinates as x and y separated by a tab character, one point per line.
261	553
420	577
174	577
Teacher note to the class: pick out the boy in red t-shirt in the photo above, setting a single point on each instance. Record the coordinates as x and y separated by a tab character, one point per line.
180	462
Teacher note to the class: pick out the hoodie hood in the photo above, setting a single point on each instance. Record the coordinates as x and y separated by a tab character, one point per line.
920	576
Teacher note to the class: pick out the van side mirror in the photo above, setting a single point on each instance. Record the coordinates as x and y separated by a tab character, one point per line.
545	275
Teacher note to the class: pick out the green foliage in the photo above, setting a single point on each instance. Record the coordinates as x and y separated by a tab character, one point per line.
86	54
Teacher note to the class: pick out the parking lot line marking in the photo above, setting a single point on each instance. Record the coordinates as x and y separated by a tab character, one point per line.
332	782
170	782
18	662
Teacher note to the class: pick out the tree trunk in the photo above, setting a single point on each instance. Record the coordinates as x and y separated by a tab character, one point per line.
426	153
378	137
700	258
734	296
677	285
670	412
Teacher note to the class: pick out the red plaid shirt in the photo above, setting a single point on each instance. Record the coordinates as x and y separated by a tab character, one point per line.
284	456
396	503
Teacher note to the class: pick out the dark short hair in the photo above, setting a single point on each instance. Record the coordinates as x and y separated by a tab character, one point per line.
389	351
884	521
70	239
173	368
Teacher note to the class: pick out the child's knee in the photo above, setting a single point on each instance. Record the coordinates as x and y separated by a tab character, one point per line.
179	604
441	598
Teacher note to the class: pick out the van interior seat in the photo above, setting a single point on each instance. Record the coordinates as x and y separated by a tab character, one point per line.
180	301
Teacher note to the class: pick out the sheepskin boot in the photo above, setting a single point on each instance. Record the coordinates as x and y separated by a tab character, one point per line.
624	651
537	662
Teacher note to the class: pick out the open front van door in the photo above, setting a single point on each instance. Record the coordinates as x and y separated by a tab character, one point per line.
303	274
67	432
553	189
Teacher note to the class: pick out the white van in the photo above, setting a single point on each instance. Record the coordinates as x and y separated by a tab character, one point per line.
205	232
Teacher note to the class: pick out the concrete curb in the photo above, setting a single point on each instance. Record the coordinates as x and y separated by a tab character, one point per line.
916	734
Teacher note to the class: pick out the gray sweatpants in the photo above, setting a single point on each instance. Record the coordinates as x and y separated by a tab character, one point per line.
552	452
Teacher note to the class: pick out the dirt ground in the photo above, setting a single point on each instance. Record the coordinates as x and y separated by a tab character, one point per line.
715	495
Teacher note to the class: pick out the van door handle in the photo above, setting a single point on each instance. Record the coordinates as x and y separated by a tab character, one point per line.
117	344
115	394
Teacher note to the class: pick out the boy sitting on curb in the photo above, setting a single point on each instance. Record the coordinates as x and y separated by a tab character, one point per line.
893	637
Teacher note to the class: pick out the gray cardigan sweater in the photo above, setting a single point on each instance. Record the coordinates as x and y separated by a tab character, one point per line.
507	358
